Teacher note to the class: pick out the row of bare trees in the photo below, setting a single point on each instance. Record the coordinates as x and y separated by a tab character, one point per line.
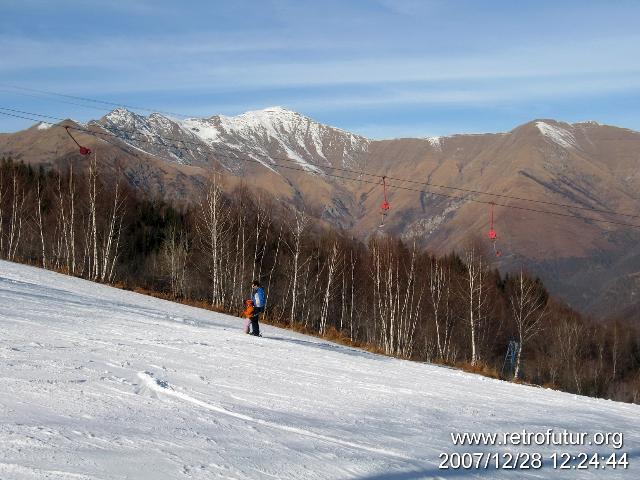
66	222
396	298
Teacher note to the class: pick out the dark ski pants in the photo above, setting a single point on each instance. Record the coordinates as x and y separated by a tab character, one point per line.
255	326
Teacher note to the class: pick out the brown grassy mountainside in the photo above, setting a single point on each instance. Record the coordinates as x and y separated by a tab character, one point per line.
594	266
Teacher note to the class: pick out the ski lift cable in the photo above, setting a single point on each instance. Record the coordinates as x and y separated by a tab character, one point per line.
358	172
401	187
429	184
83	150
44	97
368	192
347	170
19	89
493	236
403	180
372	182
384	207
397	187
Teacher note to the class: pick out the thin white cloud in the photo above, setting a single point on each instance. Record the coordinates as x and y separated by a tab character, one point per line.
488	94
20	53
223	62
493	92
613	56
253	67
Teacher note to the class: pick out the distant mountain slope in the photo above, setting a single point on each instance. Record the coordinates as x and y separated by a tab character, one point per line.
263	135
582	165
120	385
279	132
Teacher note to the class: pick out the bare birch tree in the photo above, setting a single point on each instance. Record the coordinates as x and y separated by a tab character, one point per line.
213	227
17	214
263	222
39	221
353	295
396	305
175	251
473	281
273	266
528	308
332	263
439	293
72	222
94	268
300	225
2	196
111	237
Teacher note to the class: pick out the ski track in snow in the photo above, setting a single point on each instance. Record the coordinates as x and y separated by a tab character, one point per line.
99	383
160	386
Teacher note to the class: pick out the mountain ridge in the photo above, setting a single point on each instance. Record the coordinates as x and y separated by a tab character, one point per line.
583	165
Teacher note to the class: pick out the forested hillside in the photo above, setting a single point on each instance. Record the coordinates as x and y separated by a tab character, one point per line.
388	295
564	194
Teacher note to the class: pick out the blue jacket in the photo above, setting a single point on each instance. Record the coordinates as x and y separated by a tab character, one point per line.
258	298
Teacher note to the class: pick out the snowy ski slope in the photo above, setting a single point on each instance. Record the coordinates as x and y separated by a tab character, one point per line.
98	383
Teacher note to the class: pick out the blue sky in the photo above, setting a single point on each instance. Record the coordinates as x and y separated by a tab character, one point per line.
381	68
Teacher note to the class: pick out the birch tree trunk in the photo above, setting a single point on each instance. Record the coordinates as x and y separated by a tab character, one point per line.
473	280
72	230
213	228
528	308
94	266
112	235
299	228
273	267
40	226
2	195
352	305
437	282
15	228
327	292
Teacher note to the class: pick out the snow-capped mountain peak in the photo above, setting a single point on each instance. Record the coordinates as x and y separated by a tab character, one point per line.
268	119
278	110
270	136
121	116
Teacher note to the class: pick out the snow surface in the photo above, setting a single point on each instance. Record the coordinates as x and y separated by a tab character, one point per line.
556	134
99	383
435	142
589	122
257	130
44	126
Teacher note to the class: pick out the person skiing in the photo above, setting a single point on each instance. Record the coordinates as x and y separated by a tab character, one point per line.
258	306
247	314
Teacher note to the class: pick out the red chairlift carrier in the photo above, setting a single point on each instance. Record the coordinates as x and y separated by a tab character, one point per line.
83	150
384	207
493	236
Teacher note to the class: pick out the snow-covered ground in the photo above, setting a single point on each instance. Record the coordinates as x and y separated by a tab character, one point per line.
100	383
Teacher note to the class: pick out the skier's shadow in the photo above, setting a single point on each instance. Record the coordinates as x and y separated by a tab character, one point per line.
331	347
427	473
